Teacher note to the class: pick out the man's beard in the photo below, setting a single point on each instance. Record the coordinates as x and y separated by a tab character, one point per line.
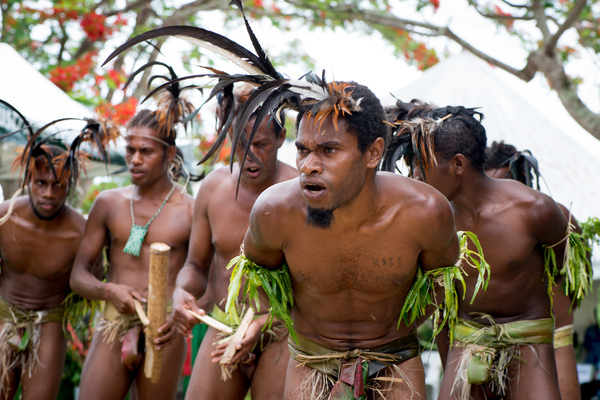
40	216
319	218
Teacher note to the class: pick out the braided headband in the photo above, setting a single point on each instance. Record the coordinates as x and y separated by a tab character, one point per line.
149	137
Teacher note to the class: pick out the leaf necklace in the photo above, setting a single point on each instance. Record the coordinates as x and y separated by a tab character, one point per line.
138	233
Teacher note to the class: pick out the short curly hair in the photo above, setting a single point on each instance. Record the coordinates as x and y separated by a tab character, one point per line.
498	154
368	123
461	133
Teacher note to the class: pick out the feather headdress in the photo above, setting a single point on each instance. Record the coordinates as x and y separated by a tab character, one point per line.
172	107
273	94
415	138
27	126
418	137
48	153
402	111
407	140
522	165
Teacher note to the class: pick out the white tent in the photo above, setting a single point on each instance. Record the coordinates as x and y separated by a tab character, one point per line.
571	170
40	101
36	97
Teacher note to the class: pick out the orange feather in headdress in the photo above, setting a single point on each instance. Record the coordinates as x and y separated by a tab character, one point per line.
50	154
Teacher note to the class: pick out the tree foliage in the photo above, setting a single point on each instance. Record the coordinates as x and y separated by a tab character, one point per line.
68	36
548	48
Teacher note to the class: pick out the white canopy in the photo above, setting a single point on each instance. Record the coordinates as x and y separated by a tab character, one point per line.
36	97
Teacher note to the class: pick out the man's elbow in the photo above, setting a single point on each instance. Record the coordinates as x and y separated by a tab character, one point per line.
75	280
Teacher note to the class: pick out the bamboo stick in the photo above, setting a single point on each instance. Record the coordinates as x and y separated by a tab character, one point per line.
237	337
157	306
210	321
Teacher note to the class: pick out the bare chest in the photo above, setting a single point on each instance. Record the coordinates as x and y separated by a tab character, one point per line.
229	221
228	231
508	246
363	262
45	255
170	225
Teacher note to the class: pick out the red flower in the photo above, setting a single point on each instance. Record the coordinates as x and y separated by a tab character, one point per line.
94	26
120	113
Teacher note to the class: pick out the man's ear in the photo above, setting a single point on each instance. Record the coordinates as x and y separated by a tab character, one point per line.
375	152
281	138
459	163
171	152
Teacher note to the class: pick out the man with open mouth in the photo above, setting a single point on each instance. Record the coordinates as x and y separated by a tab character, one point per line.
221	217
352	239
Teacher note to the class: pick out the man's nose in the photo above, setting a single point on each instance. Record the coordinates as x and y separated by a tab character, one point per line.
311	165
136	158
48	192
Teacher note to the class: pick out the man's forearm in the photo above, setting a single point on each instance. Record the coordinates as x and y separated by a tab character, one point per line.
84	283
192	281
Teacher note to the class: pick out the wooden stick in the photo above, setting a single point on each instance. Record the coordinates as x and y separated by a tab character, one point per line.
210	321
157	306
140	312
237	337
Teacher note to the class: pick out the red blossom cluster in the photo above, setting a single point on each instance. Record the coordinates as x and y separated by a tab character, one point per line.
424	57
435	4
207	142
95	27
66	76
120	113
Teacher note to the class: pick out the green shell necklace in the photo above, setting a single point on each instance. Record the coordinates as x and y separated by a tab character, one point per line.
138	233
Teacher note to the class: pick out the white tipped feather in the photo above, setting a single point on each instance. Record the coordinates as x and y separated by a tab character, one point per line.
235	58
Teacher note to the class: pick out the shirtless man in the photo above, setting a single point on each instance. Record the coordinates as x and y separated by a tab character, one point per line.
220	222
511	322
38	243
352	238
498	165
152	199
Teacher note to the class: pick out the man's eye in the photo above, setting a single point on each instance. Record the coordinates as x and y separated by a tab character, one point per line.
328	150
302	151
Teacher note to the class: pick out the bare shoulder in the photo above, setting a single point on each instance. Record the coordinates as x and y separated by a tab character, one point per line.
420	199
217	177
532	203
286	172
282	196
183	201
542	215
218	180
109	200
19	202
75	219
111	195
275	214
